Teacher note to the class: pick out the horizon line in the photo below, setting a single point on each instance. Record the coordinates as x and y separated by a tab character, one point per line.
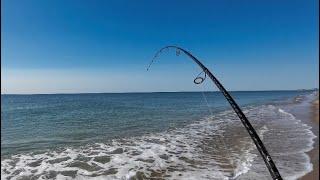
312	89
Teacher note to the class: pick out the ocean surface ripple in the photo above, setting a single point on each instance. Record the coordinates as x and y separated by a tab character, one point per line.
213	147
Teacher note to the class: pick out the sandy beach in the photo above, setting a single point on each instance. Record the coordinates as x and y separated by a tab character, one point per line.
314	153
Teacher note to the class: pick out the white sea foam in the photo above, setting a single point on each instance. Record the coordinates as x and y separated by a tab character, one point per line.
302	151
193	152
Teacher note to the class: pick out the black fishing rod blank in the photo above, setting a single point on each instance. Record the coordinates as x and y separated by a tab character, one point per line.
253	134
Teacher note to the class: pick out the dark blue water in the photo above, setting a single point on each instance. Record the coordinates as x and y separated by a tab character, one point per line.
36	122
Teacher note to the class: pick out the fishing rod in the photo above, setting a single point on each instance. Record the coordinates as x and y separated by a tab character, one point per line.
253	134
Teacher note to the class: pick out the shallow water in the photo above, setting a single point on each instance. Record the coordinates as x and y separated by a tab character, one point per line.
150	135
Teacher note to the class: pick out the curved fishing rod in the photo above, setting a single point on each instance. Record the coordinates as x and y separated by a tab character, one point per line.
253	134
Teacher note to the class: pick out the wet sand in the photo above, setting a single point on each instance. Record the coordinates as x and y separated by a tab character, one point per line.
314	153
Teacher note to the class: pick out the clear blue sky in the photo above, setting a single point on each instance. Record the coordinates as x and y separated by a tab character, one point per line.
65	46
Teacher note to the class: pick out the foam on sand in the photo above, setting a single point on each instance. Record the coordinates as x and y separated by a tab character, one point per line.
217	147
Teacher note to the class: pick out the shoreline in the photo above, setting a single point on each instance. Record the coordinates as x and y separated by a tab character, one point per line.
314	153
302	108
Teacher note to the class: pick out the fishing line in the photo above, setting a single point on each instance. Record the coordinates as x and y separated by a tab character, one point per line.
220	137
273	170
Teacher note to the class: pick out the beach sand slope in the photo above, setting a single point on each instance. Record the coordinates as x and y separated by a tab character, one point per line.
314	153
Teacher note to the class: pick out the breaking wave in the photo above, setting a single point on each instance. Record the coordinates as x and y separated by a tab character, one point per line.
216	147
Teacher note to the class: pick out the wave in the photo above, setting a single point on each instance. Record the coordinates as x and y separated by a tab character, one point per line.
215	147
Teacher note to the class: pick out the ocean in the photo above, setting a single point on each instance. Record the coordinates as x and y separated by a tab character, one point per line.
181	135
